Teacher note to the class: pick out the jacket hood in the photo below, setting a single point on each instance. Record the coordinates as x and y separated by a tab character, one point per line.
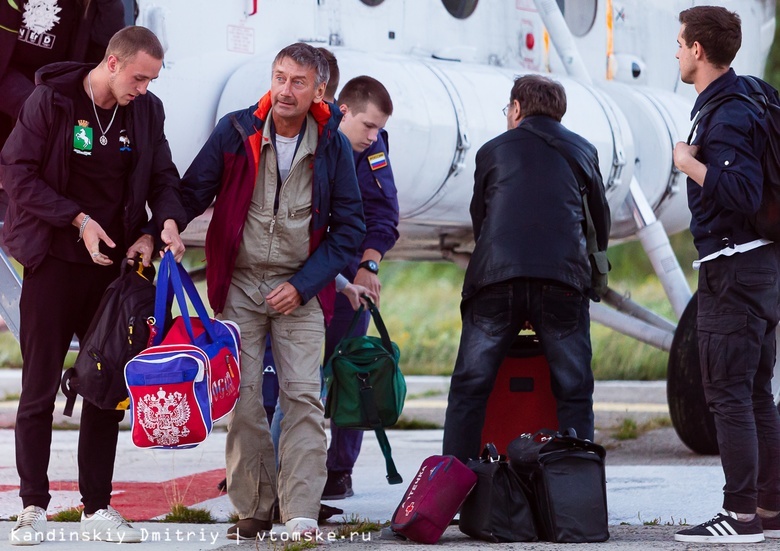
64	76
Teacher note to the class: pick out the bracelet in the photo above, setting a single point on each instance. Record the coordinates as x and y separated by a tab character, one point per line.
83	225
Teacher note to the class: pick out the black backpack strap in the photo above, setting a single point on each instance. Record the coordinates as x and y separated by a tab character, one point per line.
711	105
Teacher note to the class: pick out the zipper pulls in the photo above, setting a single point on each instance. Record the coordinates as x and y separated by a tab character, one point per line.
130	326
273	223
150	322
229	357
96	359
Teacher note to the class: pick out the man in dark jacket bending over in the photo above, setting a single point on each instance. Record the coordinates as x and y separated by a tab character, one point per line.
530	263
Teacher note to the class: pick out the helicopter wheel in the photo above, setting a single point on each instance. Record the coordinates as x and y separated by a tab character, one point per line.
688	409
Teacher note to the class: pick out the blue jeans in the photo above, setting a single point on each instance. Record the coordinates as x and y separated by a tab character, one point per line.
492	318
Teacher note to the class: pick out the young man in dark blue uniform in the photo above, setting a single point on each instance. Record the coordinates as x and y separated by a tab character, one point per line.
366	106
739	287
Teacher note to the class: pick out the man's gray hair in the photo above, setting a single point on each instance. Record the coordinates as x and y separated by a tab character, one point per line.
306	56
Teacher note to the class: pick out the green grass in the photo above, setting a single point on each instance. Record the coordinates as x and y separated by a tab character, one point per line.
421	308
181	513
629	430
68	515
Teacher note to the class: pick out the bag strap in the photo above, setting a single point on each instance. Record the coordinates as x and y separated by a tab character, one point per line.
591	243
710	106
371	413
380	325
387	344
173	277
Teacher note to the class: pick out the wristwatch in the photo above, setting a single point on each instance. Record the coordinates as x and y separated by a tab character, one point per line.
370	265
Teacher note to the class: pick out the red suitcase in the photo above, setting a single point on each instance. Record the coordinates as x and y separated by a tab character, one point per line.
433	498
522	399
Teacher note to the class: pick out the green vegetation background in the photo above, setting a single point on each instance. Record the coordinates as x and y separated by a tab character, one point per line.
421	301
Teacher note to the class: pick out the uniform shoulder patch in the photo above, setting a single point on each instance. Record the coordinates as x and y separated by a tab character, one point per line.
377	160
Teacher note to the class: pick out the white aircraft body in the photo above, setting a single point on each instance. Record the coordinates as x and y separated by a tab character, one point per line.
449	67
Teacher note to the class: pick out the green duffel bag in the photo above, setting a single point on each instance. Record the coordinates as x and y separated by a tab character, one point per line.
366	389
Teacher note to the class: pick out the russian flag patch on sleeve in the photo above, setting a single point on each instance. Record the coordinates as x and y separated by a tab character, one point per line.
377	161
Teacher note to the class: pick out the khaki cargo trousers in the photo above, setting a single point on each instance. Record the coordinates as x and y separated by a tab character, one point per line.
297	341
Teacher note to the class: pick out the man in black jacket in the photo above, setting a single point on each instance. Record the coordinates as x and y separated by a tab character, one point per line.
86	156
530	263
739	283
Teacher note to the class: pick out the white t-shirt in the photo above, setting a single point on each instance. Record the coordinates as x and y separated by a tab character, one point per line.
285	151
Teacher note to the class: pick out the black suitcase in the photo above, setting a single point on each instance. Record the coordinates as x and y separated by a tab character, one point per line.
567	482
497	509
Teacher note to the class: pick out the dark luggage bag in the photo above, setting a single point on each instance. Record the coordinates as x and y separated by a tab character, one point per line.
119	330
497	509
567	481
433	498
522	400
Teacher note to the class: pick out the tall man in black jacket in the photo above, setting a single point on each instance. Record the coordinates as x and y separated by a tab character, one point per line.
530	264
739	279
85	158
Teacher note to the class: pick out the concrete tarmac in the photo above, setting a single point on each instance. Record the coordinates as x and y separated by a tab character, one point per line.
654	483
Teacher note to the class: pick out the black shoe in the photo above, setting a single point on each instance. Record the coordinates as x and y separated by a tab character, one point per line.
724	528
326	511
249	529
338	486
222	486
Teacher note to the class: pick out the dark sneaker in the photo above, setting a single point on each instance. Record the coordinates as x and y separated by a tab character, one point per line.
326	511
338	486
771	526
249	529
724	528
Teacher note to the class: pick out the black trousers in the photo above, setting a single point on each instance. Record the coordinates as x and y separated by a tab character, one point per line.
59	299
492	318
739	308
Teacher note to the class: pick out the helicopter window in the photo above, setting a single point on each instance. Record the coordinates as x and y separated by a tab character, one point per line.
460	8
372	3
579	15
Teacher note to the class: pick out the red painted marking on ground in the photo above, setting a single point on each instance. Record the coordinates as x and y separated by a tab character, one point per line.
146	500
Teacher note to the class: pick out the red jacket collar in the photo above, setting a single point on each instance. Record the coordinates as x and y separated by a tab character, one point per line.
320	111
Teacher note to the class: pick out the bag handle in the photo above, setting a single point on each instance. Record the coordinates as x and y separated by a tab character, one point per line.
543	441
380	325
173	277
490	453
387	344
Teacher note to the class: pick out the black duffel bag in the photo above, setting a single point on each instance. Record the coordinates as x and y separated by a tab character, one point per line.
497	509
567	482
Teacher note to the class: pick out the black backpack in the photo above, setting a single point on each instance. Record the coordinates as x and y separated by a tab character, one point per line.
119	331
767	220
